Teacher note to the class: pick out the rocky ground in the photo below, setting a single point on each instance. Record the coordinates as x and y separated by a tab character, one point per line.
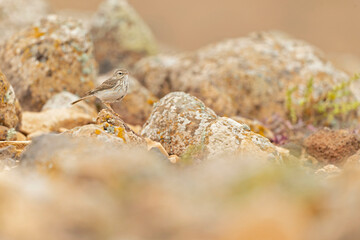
249	138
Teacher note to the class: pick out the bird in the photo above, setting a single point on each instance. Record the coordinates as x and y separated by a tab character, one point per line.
111	90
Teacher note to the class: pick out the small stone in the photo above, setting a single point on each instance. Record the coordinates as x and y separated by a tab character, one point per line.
329	171
109	128
186	127
8	158
115	125
47	58
10	111
332	146
10	134
53	120
64	99
120	36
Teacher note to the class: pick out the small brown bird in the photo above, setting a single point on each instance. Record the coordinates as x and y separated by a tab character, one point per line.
112	90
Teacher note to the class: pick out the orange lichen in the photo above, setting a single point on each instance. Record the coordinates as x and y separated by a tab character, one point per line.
151	101
37	33
97	132
121	133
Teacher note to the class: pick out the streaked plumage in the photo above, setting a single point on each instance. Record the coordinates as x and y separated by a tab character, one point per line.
112	90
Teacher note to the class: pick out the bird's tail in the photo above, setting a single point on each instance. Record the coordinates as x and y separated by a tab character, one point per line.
79	100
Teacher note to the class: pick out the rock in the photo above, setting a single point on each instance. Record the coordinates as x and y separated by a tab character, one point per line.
10	134
19	146
249	76
185	126
353	161
13	17
329	171
51	56
109	128
64	99
137	105
10	111
120	36
8	158
255	126
53	120
332	146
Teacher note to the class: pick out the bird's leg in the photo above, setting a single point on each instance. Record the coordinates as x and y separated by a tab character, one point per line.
111	109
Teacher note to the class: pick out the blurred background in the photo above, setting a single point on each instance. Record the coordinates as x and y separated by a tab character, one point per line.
331	25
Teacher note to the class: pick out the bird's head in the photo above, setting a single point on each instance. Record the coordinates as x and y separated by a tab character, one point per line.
121	73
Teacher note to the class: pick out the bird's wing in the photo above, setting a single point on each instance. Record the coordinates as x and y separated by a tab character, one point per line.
109	83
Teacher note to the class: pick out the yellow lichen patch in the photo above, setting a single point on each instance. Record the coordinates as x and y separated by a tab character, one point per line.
37	33
151	101
57	43
97	132
121	133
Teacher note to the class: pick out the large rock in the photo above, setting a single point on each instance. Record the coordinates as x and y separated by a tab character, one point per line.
120	36
185	126
10	111
51	56
136	106
247	76
13	15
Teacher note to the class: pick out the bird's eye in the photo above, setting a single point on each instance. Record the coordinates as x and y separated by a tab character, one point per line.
120	73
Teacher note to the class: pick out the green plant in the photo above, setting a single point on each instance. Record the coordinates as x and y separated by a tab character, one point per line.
333	106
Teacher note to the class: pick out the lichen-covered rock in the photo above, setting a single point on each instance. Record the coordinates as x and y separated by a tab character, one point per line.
13	15
185	126
10	111
120	36
109	128
255	126
247	76
332	146
53	55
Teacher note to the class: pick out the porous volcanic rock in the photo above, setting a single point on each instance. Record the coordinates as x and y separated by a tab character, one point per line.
248	76
17	14
184	125
10	111
120	36
109	128
332	146
53	55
